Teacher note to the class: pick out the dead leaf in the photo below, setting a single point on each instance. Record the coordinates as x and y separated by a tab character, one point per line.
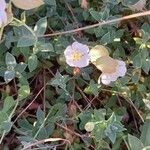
139	6
27	4
84	4
69	135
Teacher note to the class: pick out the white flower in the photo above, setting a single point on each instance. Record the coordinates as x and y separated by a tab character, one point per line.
109	75
111	68
77	55
2	5
3	14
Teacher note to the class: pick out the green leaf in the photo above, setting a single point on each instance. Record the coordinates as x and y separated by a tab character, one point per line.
25	125
85	117
40	115
146	65
26	40
114	126
32	62
111	133
9	75
42	134
135	143
50	2
137	61
96	15
105	14
8	103
145	27
99	115
93	88
129	2
99	131
26	37
59	80
101	144
41	46
145	135
136	75
20	67
6	126
50	127
23	92
106	38
10	60
3	116
40	26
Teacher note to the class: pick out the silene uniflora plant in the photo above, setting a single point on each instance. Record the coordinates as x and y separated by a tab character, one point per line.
74	74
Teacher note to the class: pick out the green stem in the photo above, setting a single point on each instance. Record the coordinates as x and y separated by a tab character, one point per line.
2	137
42	125
13	111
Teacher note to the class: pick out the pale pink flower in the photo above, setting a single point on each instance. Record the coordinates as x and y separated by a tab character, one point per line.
77	55
111	68
2	5
108	77
3	14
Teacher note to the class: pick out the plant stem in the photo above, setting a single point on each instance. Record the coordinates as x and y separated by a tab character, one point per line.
145	13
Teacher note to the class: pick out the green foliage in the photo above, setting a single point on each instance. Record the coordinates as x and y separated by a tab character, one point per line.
135	143
32	62
60	81
5	115
26	37
43	126
104	128
145	133
93	88
23	92
40	27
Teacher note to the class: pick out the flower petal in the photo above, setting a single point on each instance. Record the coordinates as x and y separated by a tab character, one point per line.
3	16
121	68
108	76
80	47
83	62
68	51
0	22
2	5
97	52
106	64
104	79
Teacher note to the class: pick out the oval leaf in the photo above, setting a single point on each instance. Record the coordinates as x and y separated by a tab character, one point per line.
9	75
10	60
32	62
27	4
23	92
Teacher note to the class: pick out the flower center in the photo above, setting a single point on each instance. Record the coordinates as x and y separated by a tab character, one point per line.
76	56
